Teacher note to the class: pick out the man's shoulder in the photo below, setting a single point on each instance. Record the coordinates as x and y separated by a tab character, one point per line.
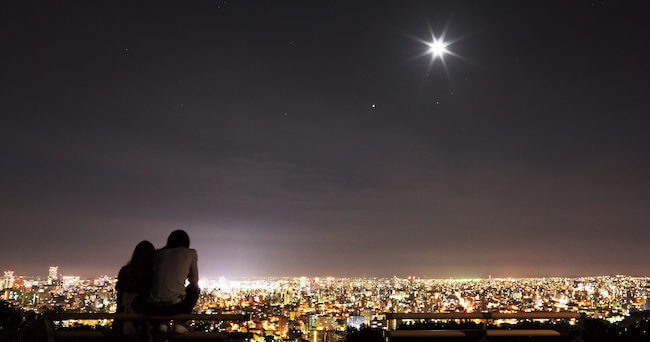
177	250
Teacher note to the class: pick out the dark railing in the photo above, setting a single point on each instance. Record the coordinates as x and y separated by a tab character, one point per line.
62	335
394	320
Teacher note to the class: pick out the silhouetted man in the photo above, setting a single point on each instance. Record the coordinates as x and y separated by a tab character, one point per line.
173	264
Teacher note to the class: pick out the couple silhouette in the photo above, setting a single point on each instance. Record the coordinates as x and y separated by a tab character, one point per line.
153	282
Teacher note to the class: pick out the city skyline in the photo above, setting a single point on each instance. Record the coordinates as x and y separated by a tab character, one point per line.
211	275
54	274
436	139
604	297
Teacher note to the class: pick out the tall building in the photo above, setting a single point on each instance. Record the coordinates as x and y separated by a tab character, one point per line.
303	283
8	280
53	274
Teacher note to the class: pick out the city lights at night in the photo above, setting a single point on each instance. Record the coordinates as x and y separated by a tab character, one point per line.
325	171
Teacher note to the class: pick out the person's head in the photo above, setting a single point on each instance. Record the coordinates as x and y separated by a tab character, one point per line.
143	253
178	238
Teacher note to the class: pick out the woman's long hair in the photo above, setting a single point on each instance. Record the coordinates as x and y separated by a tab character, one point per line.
136	276
142	258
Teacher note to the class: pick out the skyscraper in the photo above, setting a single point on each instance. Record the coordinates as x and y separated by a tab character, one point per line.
53	274
8	280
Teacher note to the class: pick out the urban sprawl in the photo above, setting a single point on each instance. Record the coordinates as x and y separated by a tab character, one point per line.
301	307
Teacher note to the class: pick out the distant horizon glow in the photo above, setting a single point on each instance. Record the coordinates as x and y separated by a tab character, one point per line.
206	278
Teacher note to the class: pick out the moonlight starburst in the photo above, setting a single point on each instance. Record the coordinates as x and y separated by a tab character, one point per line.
437	48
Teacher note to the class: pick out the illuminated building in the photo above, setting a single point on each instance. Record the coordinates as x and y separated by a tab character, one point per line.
8	280
356	322
53	274
69	281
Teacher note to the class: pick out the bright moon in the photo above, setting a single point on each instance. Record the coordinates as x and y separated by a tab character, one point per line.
438	47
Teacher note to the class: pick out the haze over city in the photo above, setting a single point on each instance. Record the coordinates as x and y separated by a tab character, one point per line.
328	138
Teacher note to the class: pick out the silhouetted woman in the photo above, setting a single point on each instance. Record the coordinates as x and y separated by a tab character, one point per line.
173	265
134	283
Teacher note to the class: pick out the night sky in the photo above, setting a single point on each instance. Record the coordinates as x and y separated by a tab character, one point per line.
316	138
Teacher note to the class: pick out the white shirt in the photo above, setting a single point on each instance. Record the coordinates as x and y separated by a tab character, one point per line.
171	267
